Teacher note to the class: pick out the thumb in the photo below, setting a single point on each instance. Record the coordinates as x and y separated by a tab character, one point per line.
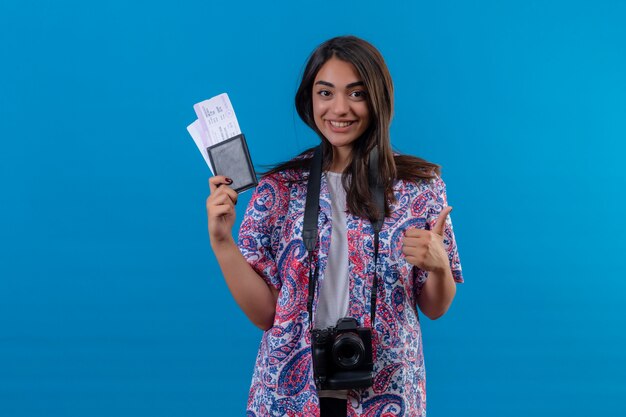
441	221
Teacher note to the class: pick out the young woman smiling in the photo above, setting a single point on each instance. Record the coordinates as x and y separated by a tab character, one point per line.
346	97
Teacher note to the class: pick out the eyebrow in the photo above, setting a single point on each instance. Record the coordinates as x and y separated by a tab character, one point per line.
354	84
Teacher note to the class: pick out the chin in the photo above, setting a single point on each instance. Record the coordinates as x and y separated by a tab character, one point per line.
340	143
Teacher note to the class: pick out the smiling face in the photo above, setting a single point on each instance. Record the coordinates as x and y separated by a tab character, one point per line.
340	106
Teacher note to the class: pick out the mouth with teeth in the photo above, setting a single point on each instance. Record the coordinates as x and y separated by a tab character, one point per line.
339	125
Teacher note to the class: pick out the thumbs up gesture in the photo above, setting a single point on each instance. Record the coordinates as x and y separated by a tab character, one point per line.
424	248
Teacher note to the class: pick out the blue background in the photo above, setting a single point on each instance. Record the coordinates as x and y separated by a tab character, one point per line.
111	302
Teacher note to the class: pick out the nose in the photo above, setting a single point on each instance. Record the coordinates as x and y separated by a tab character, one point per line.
340	105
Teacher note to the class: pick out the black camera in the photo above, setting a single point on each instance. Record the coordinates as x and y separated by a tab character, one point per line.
342	356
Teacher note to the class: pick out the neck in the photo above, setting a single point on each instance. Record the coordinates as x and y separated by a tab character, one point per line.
341	158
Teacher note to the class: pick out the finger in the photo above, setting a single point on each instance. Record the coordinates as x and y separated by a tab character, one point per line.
222	187
411	242
415	252
217	180
413	261
217	210
232	194
220	211
222	199
441	221
415	233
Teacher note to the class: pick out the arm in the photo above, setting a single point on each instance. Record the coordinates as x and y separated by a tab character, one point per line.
250	291
252	294
437	293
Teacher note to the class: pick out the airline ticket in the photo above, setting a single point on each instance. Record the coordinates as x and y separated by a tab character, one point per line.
216	123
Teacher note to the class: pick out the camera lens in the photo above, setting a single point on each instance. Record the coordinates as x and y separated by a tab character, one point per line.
348	350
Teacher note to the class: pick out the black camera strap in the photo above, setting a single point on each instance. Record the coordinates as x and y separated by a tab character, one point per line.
377	191
311	213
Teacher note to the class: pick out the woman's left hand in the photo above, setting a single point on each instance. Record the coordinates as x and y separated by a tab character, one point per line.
424	248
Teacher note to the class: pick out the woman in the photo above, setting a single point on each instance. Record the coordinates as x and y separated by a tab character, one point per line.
346	97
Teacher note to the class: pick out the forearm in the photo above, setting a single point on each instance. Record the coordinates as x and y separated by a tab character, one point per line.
250	291
437	293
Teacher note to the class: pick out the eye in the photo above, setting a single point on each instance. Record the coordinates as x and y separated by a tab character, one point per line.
324	93
358	94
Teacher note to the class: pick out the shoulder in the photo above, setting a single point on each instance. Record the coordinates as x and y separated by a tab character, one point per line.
270	189
276	185
296	170
434	185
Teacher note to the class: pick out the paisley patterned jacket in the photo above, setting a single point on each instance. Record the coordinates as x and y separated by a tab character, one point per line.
270	240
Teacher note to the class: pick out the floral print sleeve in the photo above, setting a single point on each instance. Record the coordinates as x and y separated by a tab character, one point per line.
259	234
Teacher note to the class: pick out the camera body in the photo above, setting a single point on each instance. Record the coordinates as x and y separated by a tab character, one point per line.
342	356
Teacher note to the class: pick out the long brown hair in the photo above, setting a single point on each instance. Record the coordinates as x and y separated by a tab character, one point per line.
371	66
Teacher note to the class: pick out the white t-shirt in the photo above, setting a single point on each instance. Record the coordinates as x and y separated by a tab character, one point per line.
334	291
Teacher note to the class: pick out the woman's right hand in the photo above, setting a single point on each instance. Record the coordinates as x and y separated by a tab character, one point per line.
220	207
